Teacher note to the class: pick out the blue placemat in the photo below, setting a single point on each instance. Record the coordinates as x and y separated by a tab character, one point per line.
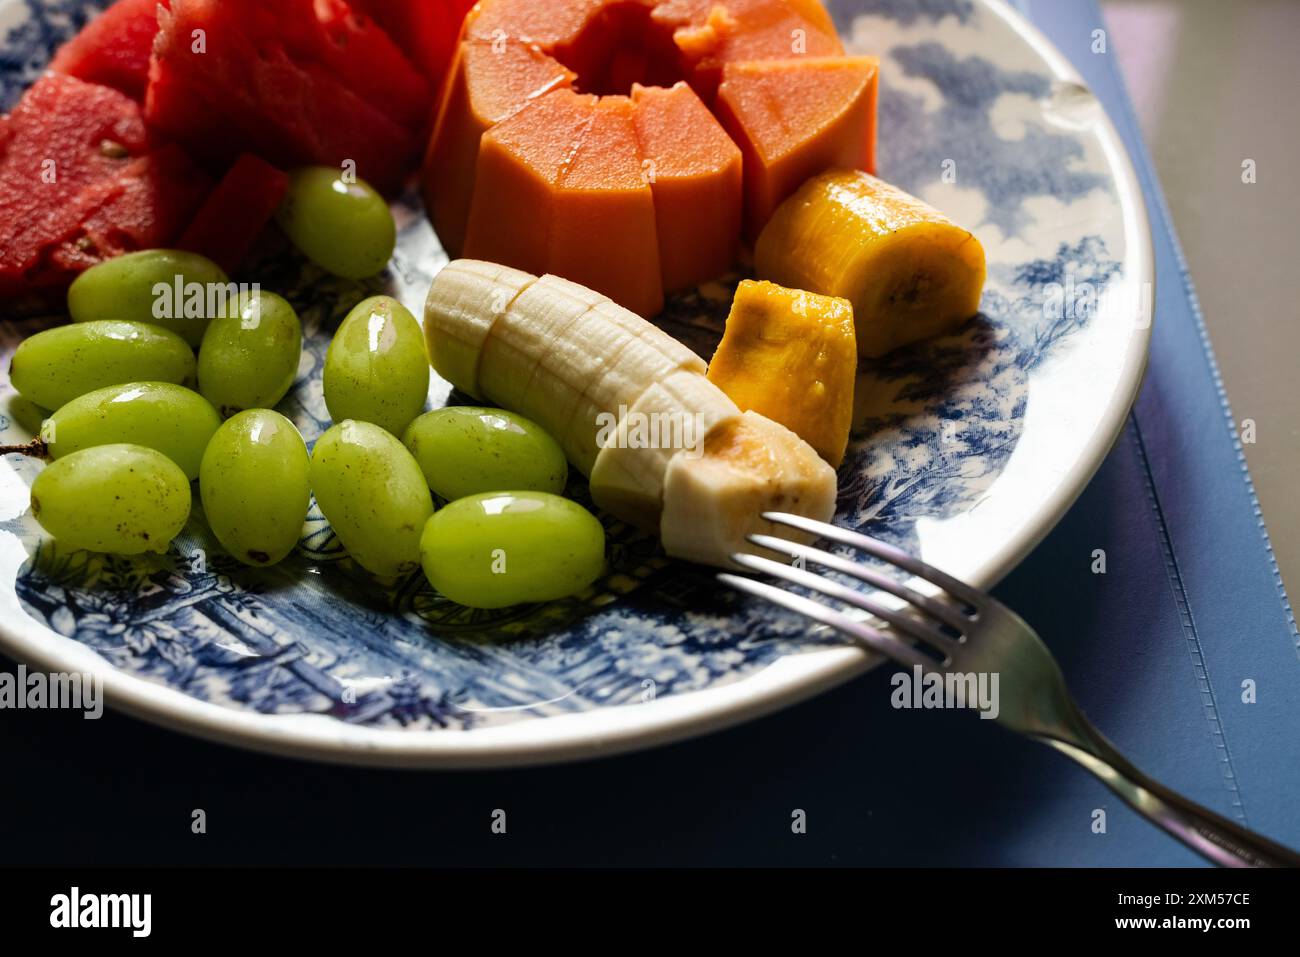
1156	650
1210	603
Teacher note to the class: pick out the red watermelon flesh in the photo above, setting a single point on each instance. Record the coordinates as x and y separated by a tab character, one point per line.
80	181
145	207
236	212
64	122
426	30
258	87
114	48
356	50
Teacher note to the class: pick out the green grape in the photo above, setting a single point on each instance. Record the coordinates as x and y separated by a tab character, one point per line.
464	450
373	494
124	499
53	367
345	228
255	488
27	414
250	356
507	548
161	416
376	369
177	290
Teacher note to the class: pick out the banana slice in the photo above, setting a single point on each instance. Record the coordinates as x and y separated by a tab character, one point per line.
750	465
637	354
533	331
673	417
681	355
464	302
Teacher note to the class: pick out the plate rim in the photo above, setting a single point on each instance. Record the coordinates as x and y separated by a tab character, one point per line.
624	728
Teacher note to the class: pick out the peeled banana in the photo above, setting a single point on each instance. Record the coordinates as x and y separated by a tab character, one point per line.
909	271
665	449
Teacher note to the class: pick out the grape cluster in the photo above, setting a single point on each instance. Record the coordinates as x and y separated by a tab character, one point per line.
137	418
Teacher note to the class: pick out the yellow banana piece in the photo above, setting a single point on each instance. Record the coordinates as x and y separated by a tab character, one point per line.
909	271
790	355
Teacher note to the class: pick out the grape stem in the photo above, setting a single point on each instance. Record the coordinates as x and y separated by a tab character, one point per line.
36	448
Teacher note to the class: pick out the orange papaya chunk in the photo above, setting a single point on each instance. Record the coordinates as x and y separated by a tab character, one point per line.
489	82
521	163
694	171
602	223
795	118
516	54
712	33
814	13
910	272
619	47
551	25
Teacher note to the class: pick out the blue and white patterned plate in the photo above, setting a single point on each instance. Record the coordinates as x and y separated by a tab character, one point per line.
967	450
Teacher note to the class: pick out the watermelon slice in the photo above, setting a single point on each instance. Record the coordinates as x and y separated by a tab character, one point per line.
81	181
236	212
145	207
114	48
357	51
426	31
295	82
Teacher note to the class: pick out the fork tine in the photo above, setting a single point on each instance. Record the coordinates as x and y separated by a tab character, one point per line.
902	622
946	613
883	551
874	640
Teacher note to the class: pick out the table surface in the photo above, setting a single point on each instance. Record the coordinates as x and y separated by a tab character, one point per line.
120	791
1213	85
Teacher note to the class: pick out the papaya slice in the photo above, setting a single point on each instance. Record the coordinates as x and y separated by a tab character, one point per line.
520	166
551	25
612	208
712	33
691	165
571	160
490	81
814	13
603	232
795	118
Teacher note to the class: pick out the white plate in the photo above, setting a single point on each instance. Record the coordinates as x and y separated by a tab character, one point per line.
968	452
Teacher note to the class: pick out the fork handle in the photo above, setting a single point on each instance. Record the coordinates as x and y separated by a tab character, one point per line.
1211	835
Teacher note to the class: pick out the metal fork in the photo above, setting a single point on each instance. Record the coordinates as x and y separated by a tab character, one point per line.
973	633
